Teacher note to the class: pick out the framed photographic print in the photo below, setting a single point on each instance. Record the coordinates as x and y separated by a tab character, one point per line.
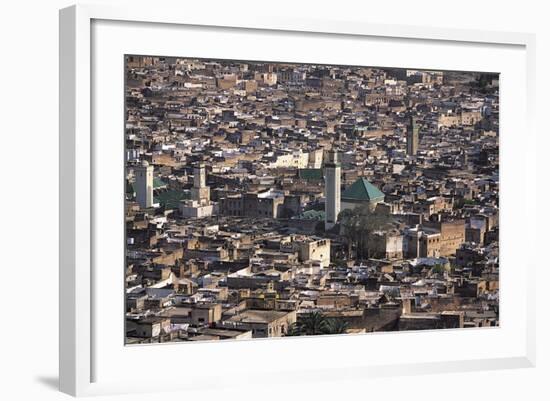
346	193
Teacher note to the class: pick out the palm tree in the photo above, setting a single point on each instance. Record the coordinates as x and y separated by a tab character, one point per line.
293	330
310	324
336	326
315	323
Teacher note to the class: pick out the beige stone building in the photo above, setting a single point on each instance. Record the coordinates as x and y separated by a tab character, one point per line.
263	323
453	234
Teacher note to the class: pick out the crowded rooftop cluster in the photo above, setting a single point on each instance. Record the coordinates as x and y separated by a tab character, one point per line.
278	200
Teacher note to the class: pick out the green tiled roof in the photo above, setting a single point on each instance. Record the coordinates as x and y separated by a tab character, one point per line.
312	215
310	173
170	199
157	183
362	190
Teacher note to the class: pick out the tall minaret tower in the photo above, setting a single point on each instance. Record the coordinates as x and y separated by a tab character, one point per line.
200	192
144	184
412	136
332	190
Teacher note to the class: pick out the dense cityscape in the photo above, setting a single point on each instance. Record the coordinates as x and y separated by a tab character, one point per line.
274	200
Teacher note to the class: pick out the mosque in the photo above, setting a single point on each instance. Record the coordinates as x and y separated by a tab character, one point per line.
360	193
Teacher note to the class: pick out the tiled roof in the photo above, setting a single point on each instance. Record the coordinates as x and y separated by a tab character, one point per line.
362	190
312	215
170	199
157	183
310	173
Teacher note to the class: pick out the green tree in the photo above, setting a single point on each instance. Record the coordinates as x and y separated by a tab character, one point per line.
358	224
349	225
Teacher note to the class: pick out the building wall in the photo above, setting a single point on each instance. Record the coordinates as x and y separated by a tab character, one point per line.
334	301
430	245
141	61
196	211
411	245
470	117
419	244
476	235
206	315
275	328
443	320
250	86
147	329
294	159
448	121
453	234
232	206
247	282
292	204
394	246
280	326
315	159
227	82
251	205
386	245
315	250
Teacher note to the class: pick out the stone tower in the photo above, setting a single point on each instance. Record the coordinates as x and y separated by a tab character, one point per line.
200	192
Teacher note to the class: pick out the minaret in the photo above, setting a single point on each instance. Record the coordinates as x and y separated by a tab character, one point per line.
144	184
200	192
412	136
332	190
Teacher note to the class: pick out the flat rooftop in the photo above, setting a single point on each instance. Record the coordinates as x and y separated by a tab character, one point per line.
257	316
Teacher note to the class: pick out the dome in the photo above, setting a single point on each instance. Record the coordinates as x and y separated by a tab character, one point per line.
144	163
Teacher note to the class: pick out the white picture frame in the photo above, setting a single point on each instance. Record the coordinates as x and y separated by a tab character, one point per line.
82	346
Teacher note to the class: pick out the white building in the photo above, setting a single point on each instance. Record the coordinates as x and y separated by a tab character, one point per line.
200	204
296	159
332	190
191	208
